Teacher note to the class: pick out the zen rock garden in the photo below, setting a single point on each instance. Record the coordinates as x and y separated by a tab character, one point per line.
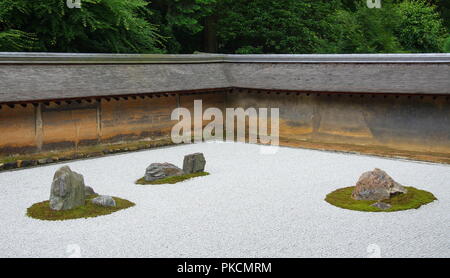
70	198
378	186
161	173
171	214
68	191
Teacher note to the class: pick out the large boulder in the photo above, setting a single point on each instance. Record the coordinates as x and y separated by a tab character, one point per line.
157	171
104	201
194	163
376	185
67	191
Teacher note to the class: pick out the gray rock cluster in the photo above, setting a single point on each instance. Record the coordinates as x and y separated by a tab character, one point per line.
192	163
68	191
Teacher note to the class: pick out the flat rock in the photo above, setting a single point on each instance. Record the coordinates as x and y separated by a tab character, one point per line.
376	185
158	171
381	205
67	190
104	201
194	163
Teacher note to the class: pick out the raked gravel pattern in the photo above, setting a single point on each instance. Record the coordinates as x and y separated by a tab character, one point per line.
253	204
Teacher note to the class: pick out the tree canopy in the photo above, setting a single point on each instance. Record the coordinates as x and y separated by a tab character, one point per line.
98	26
228	26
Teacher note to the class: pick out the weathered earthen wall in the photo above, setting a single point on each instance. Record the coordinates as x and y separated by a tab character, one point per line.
68	125
63	125
138	118
386	103
383	123
17	129
410	123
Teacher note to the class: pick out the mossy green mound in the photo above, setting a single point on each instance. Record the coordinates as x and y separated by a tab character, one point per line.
42	210
414	199
172	180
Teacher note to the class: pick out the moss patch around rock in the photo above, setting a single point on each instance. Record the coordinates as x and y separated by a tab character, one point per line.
172	180
42	210
414	199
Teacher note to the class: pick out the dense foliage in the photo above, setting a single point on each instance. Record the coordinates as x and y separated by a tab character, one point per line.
364	30
447	45
275	26
420	27
181	22
407	26
98	26
228	26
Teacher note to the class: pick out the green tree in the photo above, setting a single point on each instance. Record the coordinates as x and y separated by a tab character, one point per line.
365	30
275	26
421	28
98	26
181	22
443	7
447	45
15	40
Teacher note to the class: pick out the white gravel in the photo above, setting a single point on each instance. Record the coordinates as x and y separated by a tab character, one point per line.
252	205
